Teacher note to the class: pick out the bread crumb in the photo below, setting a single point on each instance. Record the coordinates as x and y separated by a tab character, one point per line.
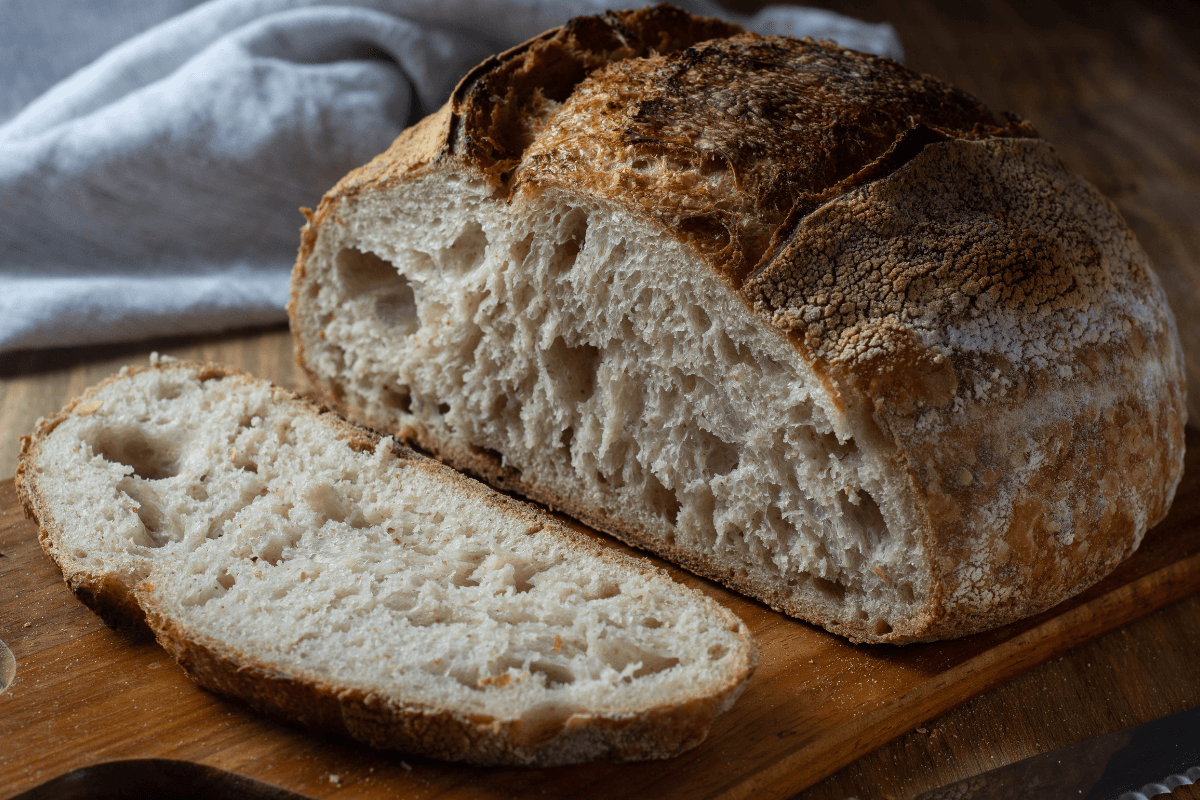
335	779
922	730
88	408
407	767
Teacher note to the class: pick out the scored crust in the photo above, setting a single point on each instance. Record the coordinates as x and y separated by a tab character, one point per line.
378	718
969	303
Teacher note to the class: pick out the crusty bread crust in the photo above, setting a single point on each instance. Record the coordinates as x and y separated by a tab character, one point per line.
387	723
374	717
972	306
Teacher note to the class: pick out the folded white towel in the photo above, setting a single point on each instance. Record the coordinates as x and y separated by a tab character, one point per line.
155	190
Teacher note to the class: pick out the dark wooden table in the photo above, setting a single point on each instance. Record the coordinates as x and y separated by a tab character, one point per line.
1116	86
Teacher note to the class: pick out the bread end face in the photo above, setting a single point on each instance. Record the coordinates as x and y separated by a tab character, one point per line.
868	391
227	513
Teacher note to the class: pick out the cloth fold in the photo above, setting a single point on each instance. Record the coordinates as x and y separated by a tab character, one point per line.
155	191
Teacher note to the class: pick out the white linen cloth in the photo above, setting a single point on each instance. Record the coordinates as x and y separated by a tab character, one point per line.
155	190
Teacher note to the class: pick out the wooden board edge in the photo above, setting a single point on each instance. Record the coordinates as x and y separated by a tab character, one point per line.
800	769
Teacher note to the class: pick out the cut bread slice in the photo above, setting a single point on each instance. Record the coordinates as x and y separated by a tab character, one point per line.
322	573
800	319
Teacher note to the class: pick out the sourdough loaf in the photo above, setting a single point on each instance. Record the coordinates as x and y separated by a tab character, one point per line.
800	319
319	572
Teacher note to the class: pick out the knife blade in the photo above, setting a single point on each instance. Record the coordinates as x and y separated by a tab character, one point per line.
8	666
1132	764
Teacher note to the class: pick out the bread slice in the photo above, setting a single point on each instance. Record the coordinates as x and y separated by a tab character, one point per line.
798	318
322	573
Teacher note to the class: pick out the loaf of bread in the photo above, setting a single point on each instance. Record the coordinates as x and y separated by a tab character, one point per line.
321	573
805	321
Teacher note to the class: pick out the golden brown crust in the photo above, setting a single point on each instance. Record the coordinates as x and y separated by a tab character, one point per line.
390	723
1006	333
983	315
731	141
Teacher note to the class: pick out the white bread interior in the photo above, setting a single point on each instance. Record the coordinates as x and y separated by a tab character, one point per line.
617	375
318	572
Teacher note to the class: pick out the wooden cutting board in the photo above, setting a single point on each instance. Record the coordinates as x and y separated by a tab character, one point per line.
84	696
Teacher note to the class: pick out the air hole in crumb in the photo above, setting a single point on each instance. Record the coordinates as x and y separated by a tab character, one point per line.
556	674
272	551
699	319
225	580
720	457
400	602
651	622
574	234
566	255
360	272
197	492
464	566
466	674
495	456
367	275
602	592
864	515
717	652
567	436
520	250
641	165
152	458
426	617
157	523
661	499
572	369
169	391
619	654
881	627
830	444
328	502
468	250
398	399
525	571
443	408
831	590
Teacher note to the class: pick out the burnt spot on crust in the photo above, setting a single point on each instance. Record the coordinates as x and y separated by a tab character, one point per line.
502	104
732	141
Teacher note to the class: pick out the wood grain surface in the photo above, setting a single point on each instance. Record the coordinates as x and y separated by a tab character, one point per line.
1116	86
83	694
